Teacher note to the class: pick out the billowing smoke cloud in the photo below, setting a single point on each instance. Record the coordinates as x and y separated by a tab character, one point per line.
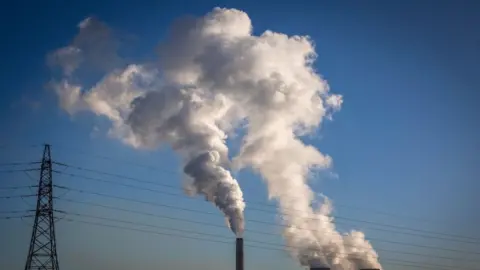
188	119
213	77
146	113
94	48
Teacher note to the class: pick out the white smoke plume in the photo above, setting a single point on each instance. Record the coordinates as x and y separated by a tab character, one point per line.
214	76
146	114
94	47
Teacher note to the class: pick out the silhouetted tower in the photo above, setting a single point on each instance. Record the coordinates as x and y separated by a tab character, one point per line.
42	253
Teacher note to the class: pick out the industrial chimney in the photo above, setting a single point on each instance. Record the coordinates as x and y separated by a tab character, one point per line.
239	254
319	268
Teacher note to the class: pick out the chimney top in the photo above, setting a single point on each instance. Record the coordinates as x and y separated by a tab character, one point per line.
239	253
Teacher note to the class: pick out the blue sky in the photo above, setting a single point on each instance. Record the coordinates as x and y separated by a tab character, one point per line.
405	141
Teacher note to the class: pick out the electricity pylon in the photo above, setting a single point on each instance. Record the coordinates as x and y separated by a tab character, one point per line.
42	253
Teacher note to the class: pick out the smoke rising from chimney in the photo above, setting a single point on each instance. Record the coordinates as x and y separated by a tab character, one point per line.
213	77
147	111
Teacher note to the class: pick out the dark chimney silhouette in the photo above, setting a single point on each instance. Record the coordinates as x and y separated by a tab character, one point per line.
239	254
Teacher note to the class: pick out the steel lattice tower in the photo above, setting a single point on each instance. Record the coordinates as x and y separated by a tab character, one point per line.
42	253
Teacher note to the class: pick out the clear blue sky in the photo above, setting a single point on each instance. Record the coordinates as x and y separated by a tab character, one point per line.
405	142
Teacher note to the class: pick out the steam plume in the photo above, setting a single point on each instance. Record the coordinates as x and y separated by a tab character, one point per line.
213	77
146	113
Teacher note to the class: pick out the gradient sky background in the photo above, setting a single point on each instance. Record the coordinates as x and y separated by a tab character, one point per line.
406	141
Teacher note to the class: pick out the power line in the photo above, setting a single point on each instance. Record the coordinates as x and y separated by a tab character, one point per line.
428	264
15	187
19	163
18	170
415	266
146	225
156	204
21	196
144	181
150	167
259	203
412	264
199	233
116	175
247	230
31	178
194	238
390	226
117	183
208	234
269	211
15	211
415	230
210	213
152	203
17	196
162	170
15	217
25	146
156	215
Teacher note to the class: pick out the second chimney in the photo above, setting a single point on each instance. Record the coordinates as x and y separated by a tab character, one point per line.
239	254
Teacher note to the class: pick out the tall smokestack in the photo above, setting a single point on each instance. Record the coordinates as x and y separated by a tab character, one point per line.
239	254
319	268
